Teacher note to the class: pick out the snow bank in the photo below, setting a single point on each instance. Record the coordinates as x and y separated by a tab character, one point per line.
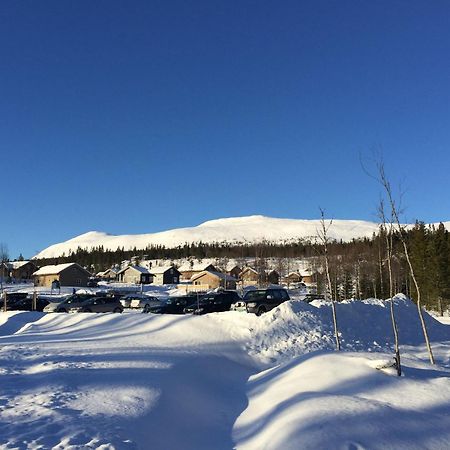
295	328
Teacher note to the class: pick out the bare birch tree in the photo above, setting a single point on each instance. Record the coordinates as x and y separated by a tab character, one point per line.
387	230
324	240
401	232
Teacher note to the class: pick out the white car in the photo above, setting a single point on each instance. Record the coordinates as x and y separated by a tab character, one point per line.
139	301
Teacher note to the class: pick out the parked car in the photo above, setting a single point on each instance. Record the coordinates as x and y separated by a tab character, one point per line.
310	297
214	302
26	304
173	305
93	282
260	301
12	300
98	305
15	301
65	304
142	301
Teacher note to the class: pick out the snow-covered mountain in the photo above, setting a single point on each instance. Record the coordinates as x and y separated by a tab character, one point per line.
232	230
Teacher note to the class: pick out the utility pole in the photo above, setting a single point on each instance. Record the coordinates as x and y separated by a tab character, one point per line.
34	301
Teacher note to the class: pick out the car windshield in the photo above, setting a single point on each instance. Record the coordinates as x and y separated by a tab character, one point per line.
255	295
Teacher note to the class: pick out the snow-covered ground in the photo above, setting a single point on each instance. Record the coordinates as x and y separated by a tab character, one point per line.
223	381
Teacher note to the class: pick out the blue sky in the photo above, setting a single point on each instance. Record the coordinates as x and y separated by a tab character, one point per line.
131	117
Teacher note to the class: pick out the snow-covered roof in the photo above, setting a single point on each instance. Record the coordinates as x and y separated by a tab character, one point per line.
294	274
55	269
220	275
307	272
248	269
136	268
196	267
161	269
14	265
231	265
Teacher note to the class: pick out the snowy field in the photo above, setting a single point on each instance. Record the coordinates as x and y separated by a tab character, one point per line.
223	381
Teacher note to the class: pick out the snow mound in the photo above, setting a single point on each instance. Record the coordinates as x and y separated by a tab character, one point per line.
12	322
295	328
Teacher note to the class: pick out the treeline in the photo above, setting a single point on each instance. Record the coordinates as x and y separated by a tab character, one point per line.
358	268
98	258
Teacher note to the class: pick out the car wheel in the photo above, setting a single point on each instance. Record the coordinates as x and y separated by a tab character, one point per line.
117	310
63	310
261	310
87	310
146	308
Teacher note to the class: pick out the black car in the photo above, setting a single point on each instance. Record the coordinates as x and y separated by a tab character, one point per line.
26	304
173	305
214	302
260	301
12	299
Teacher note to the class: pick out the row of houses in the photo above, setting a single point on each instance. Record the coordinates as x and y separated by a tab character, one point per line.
206	275
190	276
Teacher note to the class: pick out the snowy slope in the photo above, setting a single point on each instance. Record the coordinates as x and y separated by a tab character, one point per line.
239	229
222	381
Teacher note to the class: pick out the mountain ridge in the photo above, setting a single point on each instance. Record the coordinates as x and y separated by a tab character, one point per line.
247	229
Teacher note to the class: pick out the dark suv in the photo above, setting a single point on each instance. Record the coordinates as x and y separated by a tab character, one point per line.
172	305
263	300
214	302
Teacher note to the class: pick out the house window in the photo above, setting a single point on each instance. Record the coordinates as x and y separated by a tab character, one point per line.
78	282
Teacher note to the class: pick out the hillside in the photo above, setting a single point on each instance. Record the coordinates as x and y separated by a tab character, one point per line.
230	230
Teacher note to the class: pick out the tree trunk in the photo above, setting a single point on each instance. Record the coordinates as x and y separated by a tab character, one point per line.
324	237
395	216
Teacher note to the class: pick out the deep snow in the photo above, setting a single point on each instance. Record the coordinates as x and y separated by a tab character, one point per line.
222	381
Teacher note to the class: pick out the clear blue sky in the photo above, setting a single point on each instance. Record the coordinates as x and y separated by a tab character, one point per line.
139	116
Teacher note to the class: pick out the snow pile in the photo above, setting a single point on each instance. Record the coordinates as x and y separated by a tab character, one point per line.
296	328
